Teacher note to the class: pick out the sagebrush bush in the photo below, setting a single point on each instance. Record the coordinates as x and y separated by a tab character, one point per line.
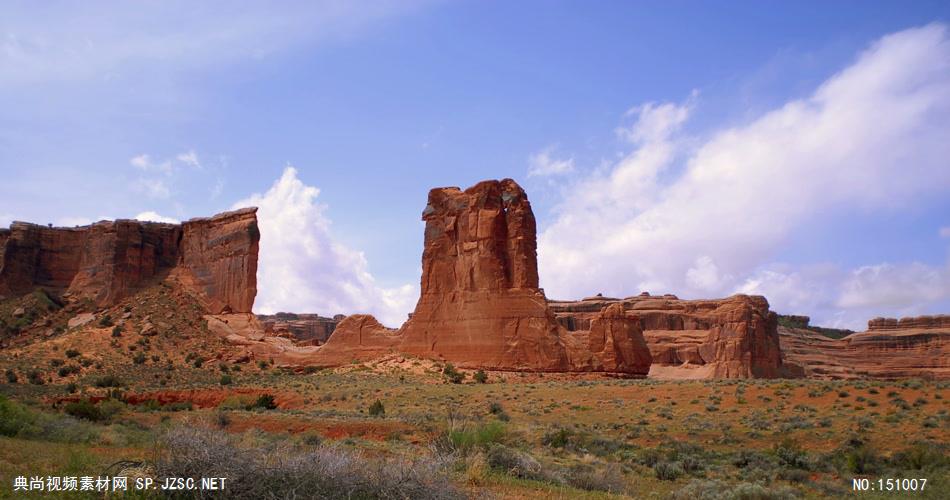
668	471
602	477
280	471
704	489
514	463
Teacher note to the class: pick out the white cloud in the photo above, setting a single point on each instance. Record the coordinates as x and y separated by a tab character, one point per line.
945	232
189	158
542	164
302	268
153	188
144	163
700	221
77	42
151	216
655	122
892	286
848	298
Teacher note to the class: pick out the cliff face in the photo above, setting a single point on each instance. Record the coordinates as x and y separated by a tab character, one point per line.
735	337
480	305
304	328
909	347
216	258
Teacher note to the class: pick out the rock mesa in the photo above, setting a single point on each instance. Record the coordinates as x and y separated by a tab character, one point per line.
214	258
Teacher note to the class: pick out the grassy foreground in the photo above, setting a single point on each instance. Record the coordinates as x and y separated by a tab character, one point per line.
405	428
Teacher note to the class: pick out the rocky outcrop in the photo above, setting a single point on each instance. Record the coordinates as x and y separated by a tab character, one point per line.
735	337
480	304
616	340
214	258
941	321
306	329
909	347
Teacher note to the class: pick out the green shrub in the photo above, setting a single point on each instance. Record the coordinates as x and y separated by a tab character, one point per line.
225	380
560	438
477	437
265	401
11	376
35	377
68	370
481	377
84	410
107	381
117	331
14	417
56	362
376	409
71	353
453	375
105	321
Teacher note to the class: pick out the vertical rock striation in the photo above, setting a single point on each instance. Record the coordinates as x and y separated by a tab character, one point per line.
215	258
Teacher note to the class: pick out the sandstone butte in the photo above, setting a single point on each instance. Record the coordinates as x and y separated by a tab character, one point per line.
480	304
890	348
213	259
481	307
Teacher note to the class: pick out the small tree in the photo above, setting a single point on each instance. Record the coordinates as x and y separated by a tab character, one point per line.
452	374
481	377
376	409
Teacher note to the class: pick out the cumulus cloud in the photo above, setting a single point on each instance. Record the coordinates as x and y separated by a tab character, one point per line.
302	268
543	164
151	216
701	217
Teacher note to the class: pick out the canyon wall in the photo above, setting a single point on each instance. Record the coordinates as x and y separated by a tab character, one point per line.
736	337
480	305
215	258
909	347
306	329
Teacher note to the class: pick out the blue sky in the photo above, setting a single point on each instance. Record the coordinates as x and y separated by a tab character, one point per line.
665	145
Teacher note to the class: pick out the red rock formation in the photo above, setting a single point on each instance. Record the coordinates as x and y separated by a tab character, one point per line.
728	338
911	347
910	323
480	305
306	329
618	339
219	259
215	258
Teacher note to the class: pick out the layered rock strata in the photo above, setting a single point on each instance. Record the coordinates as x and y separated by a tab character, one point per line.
735	337
306	329
214	258
480	304
909	347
